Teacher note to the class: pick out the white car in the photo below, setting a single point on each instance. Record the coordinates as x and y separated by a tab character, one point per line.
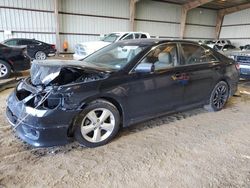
212	43
86	48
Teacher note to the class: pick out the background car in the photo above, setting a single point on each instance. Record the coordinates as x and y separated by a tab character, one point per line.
244	64
12	59
95	97
212	43
230	50
246	47
35	49
84	49
242	57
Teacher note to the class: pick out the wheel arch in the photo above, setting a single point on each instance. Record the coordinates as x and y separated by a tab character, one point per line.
111	100
224	79
227	81
6	61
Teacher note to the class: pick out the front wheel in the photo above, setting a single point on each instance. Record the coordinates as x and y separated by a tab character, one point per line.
97	124
219	97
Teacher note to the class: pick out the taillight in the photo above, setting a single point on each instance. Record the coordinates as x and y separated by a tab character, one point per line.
53	46
237	66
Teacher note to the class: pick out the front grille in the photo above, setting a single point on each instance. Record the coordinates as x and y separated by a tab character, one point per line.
243	59
245	71
22	94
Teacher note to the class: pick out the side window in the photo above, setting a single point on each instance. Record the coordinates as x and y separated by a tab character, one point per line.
143	36
162	57
194	54
137	35
128	37
11	42
24	42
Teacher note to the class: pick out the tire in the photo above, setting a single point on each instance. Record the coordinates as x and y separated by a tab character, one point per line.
5	70
97	124
40	55
218	97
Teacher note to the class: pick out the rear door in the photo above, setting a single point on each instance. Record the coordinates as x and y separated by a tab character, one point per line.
201	71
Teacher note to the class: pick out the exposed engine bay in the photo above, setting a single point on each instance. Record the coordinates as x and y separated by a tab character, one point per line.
45	89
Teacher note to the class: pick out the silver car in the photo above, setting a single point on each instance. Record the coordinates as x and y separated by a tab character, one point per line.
240	56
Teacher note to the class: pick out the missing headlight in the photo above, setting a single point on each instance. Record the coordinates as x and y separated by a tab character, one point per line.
22	94
52	101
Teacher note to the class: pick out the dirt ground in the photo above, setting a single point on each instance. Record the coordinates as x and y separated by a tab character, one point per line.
192	149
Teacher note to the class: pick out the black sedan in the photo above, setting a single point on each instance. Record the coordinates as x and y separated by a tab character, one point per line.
35	49
12	60
117	86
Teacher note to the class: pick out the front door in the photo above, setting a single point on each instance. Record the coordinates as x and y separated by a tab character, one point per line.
152	93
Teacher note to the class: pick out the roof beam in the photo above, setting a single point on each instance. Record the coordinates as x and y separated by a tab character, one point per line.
57	22
132	11
184	10
221	14
194	4
235	9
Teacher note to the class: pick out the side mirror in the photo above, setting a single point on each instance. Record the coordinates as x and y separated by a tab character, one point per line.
145	68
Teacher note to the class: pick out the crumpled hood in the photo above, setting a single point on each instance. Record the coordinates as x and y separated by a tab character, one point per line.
60	72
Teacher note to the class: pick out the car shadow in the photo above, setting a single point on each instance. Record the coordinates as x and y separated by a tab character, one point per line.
160	121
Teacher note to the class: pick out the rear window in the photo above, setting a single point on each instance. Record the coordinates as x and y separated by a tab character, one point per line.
24	42
137	35
194	54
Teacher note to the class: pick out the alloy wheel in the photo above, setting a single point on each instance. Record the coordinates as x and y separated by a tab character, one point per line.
3	70
97	125
40	55
220	96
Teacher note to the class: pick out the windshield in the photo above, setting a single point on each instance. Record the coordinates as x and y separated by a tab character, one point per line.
115	56
111	37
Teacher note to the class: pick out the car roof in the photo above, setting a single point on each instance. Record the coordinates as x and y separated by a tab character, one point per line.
19	39
124	32
153	41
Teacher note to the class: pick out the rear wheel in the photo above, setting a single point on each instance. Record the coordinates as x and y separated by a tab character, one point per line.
219	97
97	124
5	70
40	55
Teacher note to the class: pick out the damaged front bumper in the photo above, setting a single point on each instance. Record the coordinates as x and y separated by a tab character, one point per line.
42	126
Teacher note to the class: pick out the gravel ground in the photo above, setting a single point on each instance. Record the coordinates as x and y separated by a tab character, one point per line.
195	148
